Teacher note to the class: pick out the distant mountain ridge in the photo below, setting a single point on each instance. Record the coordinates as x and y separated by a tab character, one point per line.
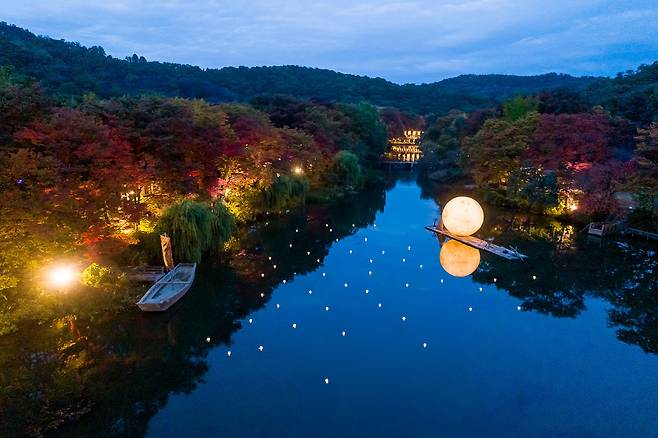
71	69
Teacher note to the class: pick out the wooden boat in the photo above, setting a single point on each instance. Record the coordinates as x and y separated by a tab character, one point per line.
169	289
603	229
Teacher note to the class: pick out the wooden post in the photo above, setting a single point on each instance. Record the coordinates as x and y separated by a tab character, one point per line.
167	256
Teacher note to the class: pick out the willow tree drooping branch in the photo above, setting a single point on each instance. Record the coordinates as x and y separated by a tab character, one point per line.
196	228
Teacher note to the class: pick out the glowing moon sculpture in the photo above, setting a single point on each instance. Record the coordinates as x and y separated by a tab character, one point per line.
459	260
462	216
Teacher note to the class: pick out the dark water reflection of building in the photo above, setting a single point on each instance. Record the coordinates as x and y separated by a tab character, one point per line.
114	373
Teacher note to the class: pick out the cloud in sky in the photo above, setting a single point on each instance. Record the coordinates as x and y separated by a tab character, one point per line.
404	41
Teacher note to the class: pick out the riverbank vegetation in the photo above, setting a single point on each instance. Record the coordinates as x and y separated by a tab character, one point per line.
97	180
585	155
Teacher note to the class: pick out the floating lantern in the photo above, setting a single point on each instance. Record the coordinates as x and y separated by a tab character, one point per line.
462	216
459	260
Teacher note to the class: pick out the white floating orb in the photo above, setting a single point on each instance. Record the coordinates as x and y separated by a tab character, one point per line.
406	285
278	306
326	381
331	230
228	353
534	277
262	275
274	266
470	309
404	260
326	308
462	216
269	258
317	260
207	339
379	305
495	280
424	344
260	348
350	251
353	225
421	266
518	307
459	260
345	285
262	294
404	318
284	281
296	230
365	239
369	272
294	325
250	320
310	292
367	291
324	274
480	289
343	333
409	248
290	245
370	260
383	252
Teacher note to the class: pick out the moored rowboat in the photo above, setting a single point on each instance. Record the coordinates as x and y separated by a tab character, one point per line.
169	289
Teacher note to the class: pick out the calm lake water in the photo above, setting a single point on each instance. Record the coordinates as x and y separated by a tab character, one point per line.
370	334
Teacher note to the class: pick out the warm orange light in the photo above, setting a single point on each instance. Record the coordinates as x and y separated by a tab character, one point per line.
462	216
62	276
298	170
459	260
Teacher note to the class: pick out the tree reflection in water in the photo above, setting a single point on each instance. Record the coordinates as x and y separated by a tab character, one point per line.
82	376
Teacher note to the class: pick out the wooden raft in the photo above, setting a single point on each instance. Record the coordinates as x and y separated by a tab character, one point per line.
501	251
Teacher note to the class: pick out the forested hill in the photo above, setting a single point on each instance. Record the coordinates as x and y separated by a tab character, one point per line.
71	69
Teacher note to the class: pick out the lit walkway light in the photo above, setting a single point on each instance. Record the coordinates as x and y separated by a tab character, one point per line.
62	276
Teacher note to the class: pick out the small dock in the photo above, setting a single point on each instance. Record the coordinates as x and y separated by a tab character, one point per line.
628	231
500	251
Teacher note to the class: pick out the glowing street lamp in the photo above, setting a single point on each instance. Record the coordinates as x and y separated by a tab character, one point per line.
297	170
